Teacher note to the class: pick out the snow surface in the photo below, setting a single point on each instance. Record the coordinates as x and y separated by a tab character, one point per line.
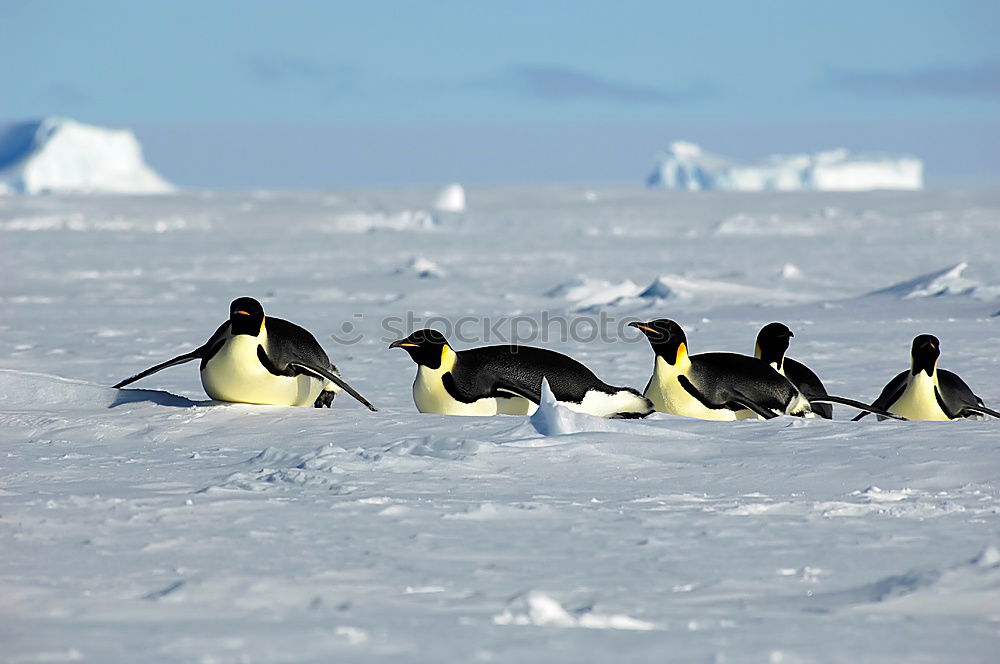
153	525
687	167
61	155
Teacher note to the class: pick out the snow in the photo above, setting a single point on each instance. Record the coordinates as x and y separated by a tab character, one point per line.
61	155
687	167
155	525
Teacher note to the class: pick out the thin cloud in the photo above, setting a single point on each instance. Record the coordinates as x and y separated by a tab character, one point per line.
62	93
288	69
561	84
973	81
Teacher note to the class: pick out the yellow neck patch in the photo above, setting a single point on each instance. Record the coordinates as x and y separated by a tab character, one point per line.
448	358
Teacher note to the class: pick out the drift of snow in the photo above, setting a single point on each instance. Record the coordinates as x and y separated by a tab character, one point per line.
60	155
687	167
592	295
450	199
947	281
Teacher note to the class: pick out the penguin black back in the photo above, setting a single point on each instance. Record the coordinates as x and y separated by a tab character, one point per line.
525	367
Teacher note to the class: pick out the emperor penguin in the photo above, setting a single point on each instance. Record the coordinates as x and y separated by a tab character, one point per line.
772	343
928	393
507	380
718	386
258	360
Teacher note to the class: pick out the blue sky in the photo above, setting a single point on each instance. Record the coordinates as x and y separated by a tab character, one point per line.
398	93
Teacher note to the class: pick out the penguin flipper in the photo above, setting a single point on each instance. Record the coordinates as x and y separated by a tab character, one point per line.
196	354
866	408
750	404
956	398
320	372
507	389
982	410
889	395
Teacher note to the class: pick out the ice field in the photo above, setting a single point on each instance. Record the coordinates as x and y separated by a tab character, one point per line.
152	525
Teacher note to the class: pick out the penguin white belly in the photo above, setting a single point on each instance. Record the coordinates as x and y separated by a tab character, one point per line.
668	396
918	401
235	374
430	396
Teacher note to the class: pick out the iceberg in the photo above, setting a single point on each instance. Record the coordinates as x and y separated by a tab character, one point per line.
685	166
56	155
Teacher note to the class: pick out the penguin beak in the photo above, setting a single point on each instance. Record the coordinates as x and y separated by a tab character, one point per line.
242	313
402	343
643	327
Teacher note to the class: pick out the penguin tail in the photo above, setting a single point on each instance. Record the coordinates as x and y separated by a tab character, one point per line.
635	405
614	402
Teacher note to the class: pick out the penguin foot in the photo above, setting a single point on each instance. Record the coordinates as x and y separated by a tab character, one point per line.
325	399
629	415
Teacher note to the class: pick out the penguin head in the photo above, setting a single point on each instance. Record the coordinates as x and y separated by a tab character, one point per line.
425	347
246	316
666	337
772	342
925	353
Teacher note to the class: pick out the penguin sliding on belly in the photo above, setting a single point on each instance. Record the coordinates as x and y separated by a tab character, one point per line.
928	393
258	360
507	380
719	386
772	342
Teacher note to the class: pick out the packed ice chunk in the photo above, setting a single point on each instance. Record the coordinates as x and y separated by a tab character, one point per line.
450	199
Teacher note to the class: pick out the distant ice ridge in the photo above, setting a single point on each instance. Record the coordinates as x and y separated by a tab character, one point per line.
686	166
62	156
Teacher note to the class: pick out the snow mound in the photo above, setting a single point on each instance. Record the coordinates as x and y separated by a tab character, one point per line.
971	588
791	271
591	295
368	222
422	268
537	608
78	222
676	287
769	225
63	156
552	419
585	293
686	166
450	199
948	281
28	391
